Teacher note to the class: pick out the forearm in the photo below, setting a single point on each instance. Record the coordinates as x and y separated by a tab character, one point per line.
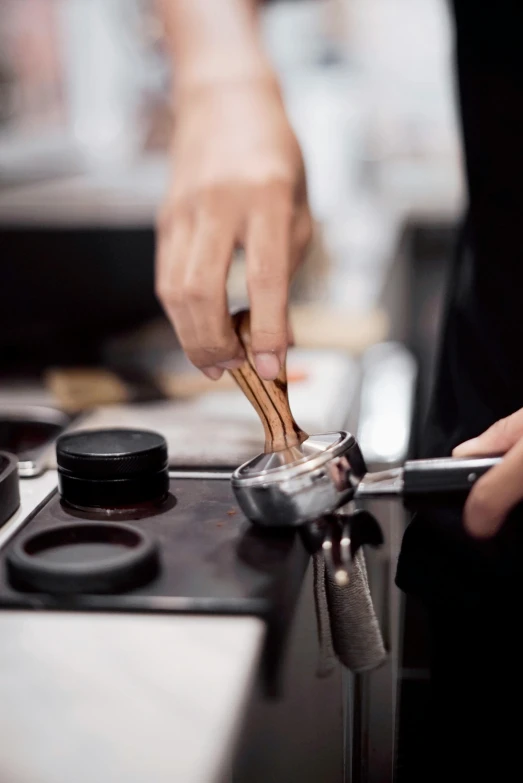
212	40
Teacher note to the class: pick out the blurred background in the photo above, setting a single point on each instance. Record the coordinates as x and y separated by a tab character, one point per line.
85	117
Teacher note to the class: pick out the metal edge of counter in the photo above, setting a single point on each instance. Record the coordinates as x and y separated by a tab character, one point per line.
386	411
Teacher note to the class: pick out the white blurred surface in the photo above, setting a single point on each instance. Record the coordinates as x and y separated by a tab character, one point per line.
92	697
364	80
102	697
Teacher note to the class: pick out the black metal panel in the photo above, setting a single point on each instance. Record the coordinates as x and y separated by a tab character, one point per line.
212	560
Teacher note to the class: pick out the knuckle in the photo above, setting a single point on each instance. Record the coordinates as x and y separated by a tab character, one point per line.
209	222
196	292
278	192
501	426
210	354
277	330
210	203
269	339
218	353
172	211
195	357
501	430
264	274
169	295
261	279
514	424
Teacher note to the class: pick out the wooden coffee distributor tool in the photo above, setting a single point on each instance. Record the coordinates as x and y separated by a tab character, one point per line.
269	399
298	477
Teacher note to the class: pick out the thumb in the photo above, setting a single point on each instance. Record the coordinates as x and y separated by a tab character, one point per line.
495	494
498	439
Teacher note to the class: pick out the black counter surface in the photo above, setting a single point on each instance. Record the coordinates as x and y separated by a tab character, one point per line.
212	559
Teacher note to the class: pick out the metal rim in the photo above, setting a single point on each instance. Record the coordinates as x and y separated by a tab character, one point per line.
298	468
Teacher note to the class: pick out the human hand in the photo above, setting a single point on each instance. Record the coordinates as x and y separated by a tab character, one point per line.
501	488
238	180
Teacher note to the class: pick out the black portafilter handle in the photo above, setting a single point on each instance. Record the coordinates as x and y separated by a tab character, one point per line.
441	480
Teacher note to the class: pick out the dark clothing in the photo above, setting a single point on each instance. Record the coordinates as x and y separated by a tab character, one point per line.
476	692
481	369
480	372
472	590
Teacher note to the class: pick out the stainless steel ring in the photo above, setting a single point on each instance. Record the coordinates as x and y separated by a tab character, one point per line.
287	495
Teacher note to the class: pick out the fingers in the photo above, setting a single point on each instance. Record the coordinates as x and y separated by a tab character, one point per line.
212	342
275	242
194	253
291	340
174	238
268	271
192	266
495	494
499	490
301	236
498	439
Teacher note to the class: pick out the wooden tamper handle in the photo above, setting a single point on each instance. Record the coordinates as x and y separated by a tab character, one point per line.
269	398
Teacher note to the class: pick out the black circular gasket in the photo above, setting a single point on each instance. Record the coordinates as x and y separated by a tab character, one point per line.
135	560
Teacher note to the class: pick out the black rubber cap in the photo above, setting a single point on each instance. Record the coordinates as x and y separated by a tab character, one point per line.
9	486
91	557
103	454
112	468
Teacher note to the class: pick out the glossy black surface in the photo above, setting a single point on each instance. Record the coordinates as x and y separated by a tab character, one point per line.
212	559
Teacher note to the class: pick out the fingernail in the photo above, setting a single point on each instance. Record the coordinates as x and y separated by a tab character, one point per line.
268	365
231	364
214	373
467	447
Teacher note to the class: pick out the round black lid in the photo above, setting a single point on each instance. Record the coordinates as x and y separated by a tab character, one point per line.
111	453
